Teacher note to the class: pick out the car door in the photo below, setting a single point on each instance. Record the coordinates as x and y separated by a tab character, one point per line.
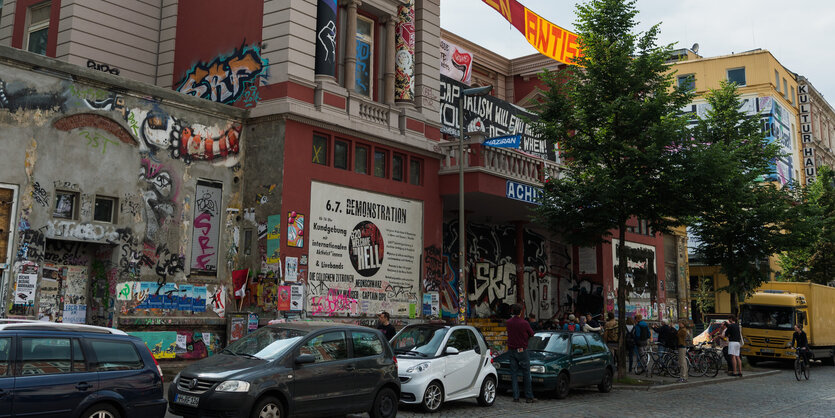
598	355
368	356
6	376
52	377
460	369
327	384
121	369
581	361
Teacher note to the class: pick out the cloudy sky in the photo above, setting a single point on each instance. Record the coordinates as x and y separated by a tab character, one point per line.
797	33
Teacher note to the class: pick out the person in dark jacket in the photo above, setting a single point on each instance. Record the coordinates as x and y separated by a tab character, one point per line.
666	336
385	326
518	333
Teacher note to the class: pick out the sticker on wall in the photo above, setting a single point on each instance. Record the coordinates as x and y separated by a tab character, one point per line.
291	272
295	230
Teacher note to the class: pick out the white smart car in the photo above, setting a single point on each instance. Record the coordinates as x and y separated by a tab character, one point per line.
438	363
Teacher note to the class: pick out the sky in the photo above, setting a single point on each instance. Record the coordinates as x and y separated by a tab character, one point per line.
795	32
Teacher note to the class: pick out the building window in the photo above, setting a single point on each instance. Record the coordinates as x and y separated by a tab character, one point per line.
380	159
792	94
776	80
65	204
340	154
320	149
687	82
785	89
397	167
365	56
37	30
104	209
415	170
361	159
737	75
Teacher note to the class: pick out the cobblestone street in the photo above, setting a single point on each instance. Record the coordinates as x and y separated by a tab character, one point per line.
774	395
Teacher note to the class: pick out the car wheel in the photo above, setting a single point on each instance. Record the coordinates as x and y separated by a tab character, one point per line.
101	411
562	386
385	404
488	392
606	385
269	407
433	397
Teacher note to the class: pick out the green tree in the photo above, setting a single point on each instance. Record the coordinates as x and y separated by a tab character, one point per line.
814	228
742	220
617	124
704	296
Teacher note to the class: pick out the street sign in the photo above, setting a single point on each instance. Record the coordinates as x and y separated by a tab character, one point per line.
523	192
507	141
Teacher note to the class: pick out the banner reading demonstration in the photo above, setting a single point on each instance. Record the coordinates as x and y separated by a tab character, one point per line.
365	252
497	117
549	39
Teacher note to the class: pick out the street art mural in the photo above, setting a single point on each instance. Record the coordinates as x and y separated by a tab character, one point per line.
404	43
206	236
225	78
180	344
641	278
326	38
493	272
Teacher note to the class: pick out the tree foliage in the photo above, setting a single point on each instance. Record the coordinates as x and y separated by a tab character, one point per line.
813	258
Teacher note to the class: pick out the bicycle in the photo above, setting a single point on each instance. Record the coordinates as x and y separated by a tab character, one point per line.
801	368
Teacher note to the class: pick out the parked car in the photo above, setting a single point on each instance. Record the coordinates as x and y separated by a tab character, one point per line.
66	370
561	360
439	363
297	368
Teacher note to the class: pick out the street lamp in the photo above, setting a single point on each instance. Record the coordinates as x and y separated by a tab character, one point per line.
462	232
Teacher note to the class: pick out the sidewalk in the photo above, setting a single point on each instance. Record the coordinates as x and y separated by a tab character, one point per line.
665	383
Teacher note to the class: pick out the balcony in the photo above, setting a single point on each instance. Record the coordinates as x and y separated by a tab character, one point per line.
506	163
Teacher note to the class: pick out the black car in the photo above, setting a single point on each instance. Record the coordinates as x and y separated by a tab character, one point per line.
66	370
298	368
560	360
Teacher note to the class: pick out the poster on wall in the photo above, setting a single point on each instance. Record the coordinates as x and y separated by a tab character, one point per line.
206	230
75	313
587	257
274	239
326	38
296	297
456	62
75	285
404	45
641	276
24	294
291	272
283	303
237	325
365	251
295	230
48	294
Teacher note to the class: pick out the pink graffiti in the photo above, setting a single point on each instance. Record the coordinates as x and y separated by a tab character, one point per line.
203	222
336	301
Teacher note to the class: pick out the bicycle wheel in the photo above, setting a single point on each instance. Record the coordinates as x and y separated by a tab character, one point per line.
712	368
696	366
643	363
672	366
806	368
798	368
657	368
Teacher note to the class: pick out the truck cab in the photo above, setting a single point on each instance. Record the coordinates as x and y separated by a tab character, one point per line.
767	319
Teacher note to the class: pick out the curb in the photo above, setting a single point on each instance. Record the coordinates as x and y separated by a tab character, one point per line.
676	386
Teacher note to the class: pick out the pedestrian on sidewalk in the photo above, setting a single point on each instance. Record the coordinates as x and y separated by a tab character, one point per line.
571	325
734	344
591	325
629	341
721	340
384	325
518	333
532	320
642	335
610	333
666	336
683	337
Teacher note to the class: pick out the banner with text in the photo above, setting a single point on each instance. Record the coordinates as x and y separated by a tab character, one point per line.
364	252
456	63
549	39
496	117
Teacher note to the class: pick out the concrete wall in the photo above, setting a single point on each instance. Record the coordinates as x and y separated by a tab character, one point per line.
69	129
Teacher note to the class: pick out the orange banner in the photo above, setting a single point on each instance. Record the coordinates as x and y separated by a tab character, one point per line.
549	39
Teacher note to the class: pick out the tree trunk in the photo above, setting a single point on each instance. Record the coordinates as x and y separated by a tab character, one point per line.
621	278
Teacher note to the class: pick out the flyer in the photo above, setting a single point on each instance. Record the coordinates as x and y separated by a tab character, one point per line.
296	297
291	272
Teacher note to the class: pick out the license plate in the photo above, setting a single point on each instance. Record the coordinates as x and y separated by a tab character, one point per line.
505	377
767	350
186	400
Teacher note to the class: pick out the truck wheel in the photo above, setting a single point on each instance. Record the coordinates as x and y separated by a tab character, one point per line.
830	361
752	360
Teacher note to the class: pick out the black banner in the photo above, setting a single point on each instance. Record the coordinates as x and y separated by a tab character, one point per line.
496	118
326	38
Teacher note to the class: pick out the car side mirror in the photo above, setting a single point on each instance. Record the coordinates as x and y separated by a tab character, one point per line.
451	351
305	359
578	352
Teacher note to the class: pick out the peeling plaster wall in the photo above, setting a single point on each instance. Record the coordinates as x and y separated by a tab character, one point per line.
171	164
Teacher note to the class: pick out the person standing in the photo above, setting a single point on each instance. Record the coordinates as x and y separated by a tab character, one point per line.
642	334
721	340
385	326
610	333
629	343
683	338
666	336
571	325
734	344
532	320
518	333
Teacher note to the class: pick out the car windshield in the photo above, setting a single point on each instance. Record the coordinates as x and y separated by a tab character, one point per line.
267	343
770	317
422	341
549	341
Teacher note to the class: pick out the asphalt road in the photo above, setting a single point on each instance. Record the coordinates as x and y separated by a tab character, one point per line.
775	395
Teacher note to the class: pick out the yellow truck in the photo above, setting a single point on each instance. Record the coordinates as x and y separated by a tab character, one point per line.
768	318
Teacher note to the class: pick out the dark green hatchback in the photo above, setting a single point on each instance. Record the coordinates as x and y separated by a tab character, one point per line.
562	360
